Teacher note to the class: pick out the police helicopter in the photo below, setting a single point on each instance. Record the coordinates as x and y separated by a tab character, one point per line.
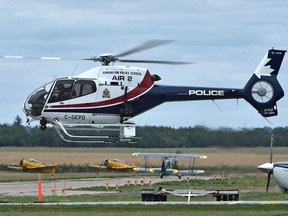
103	99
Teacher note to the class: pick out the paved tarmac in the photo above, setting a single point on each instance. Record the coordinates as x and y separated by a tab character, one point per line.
63	187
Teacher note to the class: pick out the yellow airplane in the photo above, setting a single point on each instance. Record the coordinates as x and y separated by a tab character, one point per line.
115	164
33	165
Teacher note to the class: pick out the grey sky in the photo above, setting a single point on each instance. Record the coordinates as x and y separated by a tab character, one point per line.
226	38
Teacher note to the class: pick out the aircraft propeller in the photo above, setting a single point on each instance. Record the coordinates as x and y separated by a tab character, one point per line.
268	167
268	180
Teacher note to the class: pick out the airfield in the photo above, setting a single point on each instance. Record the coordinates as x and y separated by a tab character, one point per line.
72	187
88	191
66	188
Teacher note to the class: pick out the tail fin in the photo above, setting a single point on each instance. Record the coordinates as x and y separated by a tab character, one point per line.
263	90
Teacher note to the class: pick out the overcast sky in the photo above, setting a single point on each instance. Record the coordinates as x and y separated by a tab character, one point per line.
225	38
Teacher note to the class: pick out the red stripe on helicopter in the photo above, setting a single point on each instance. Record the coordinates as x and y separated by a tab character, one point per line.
146	84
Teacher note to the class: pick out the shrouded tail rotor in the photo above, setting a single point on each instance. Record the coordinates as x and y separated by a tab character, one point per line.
263	90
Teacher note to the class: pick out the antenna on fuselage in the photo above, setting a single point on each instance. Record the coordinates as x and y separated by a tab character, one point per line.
217	106
74	70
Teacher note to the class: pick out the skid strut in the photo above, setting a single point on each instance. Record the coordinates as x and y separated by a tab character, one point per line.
106	133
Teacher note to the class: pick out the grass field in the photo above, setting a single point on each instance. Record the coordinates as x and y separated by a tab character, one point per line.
138	210
230	161
216	156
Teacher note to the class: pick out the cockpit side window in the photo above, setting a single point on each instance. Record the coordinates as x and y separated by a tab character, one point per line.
83	87
62	91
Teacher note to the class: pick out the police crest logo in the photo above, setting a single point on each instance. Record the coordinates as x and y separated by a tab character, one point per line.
106	93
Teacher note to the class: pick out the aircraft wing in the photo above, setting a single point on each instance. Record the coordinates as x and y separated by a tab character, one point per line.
169	155
168	171
199	193
15	168
113	168
34	169
43	168
190	171
188	193
98	167
123	168
155	170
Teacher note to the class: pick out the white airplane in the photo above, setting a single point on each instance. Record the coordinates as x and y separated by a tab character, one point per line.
278	169
221	195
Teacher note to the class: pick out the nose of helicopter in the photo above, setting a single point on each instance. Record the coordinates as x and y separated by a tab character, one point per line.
35	102
26	107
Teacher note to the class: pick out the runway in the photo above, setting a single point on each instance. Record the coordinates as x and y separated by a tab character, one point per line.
72	187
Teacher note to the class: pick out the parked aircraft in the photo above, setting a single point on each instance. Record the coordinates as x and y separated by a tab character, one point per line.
33	165
220	195
278	169
169	164
115	164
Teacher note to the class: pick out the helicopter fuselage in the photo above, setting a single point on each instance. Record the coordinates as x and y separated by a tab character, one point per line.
110	94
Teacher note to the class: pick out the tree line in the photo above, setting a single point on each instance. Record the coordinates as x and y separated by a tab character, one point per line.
151	137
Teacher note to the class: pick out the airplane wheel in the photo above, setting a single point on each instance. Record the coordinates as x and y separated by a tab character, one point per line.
43	123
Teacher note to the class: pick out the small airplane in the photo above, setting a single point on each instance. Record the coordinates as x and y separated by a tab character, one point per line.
169	164
115	164
33	165
225	195
278	169
105	98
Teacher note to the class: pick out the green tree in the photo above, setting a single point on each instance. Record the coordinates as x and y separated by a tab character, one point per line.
17	122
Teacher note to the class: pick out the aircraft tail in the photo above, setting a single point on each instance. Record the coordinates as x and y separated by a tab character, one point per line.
263	90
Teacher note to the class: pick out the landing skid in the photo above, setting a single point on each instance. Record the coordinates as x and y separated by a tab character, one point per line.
107	133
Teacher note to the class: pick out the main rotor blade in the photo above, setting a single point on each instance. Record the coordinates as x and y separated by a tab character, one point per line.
147	45
33	57
271	149
154	61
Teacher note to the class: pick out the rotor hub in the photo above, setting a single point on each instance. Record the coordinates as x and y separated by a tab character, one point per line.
106	58
262	92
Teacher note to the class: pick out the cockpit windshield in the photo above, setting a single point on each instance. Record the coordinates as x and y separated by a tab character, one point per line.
64	89
35	161
34	104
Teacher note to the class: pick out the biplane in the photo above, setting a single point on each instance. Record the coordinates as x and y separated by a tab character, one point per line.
169	164
36	166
